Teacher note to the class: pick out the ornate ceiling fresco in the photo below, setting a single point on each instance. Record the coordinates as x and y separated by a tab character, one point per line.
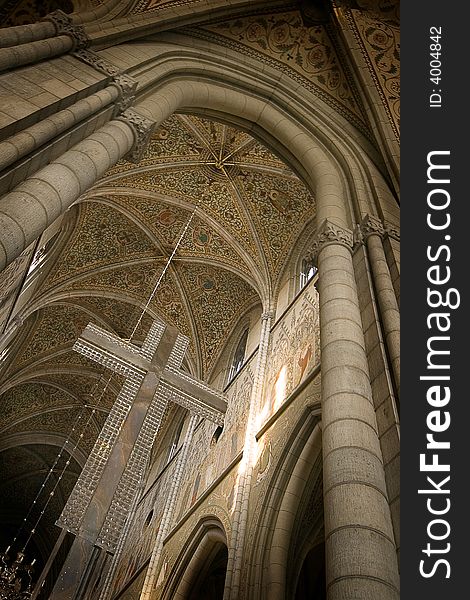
307	53
249	210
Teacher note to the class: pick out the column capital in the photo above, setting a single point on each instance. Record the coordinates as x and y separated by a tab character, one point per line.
65	26
126	84
371	225
329	233
143	129
267	315
392	231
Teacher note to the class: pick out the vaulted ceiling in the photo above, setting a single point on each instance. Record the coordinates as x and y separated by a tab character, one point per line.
237	210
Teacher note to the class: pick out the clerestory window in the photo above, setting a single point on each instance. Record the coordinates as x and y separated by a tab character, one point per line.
307	272
239	356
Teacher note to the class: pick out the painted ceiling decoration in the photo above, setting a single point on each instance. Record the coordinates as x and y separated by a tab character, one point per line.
22	12
114	244
307	52
107	259
376	27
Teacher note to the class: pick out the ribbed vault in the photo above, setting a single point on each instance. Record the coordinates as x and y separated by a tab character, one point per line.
249	209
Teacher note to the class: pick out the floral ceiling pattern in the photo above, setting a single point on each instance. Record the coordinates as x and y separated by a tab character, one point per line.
246	210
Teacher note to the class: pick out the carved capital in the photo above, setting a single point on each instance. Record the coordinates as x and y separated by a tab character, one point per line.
267	315
143	129
329	233
126	84
64	26
371	225
392	231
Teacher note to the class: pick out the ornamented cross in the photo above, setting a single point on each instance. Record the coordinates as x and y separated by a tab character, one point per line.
99	503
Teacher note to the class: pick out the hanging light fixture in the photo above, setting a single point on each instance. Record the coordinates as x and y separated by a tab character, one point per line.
15	577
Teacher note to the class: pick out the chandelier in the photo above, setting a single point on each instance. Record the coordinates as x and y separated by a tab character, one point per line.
15	577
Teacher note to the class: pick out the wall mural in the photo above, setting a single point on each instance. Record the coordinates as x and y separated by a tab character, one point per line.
144	529
209	458
295	350
206	461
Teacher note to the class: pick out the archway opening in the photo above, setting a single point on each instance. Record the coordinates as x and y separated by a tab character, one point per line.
209	584
312	578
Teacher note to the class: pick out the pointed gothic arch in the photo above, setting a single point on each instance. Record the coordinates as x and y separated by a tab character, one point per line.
284	533
204	549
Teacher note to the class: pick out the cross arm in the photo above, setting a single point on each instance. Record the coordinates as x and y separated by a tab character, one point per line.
195	395
110	351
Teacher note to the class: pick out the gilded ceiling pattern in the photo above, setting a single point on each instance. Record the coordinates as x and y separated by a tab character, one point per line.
120	317
61	422
137	282
249	211
305	53
194	184
376	26
166	223
100	237
212	289
259	204
58	327
24	400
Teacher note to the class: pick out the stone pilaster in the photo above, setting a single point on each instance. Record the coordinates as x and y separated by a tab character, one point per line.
373	232
32	206
245	470
125	84
360	550
56	35
23	34
19	145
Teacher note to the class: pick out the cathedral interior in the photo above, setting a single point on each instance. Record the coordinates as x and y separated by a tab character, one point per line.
223	176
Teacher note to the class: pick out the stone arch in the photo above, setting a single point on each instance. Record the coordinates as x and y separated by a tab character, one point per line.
314	140
203	545
295	481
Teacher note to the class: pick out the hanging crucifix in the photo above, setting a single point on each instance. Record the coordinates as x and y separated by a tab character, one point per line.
98	506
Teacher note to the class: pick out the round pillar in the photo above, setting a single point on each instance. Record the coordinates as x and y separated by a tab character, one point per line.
32	206
360	551
373	231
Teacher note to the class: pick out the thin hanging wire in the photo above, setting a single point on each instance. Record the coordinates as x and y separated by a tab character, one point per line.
65	447
95	404
162	274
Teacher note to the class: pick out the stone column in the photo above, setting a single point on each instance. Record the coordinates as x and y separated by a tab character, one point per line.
168	511
33	205
360	552
19	145
67	37
245	470
373	232
22	34
120	92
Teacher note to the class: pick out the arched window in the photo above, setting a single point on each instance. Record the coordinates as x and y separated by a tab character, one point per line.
307	272
239	356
